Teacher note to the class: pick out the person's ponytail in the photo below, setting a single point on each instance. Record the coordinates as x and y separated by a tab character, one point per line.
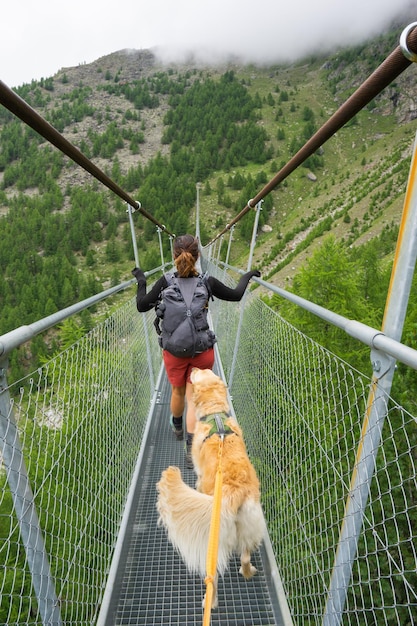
185	264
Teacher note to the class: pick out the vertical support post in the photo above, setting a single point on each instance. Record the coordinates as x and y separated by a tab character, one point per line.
209	253
376	411
229	245
171	245
24	505
130	211
161	250
213	250
258	209
219	250
197	212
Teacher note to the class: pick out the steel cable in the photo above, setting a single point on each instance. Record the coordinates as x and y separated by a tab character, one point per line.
21	109
390	69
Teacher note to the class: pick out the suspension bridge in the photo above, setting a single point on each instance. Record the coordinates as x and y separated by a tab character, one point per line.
85	437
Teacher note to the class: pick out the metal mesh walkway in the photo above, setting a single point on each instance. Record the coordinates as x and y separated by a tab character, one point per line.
152	583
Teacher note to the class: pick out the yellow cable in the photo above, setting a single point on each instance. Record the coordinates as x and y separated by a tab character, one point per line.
213	542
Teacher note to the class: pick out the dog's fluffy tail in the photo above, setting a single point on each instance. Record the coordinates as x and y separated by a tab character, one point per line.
186	515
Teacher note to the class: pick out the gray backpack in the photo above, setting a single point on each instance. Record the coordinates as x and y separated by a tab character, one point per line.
181	321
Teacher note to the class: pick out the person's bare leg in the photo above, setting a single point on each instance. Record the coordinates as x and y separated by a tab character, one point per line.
177	411
190	424
177	401
190	408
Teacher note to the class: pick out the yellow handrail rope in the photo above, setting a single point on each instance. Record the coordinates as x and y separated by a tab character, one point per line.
213	542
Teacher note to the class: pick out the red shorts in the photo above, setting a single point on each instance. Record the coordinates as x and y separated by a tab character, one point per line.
178	369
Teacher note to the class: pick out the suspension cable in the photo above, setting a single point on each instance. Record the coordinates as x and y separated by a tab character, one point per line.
21	109
392	67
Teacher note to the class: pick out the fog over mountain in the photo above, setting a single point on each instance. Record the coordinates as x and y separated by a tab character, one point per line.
39	38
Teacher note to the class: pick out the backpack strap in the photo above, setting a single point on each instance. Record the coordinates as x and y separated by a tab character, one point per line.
205	278
169	280
169	276
187	287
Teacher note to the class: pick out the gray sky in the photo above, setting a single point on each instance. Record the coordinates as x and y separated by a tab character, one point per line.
39	37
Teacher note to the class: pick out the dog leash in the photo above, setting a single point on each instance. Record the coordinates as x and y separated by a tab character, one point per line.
213	542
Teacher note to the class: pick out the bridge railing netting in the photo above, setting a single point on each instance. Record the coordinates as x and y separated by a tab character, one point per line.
302	409
80	422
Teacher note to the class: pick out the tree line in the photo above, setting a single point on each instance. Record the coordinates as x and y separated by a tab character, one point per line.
50	239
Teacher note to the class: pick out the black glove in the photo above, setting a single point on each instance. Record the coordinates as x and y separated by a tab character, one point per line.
139	275
256	273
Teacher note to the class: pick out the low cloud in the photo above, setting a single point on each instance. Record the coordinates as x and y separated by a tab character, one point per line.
39	38
266	33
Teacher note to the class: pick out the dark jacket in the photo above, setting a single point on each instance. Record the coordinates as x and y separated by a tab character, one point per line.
146	301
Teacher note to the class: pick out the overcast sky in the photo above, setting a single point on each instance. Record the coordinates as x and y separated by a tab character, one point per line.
39	37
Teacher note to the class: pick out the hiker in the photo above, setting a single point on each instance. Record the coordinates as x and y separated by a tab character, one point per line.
178	368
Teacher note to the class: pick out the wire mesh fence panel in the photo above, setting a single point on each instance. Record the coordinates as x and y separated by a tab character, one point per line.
80	419
225	316
302	410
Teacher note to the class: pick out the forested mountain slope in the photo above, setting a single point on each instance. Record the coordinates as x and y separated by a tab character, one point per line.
158	131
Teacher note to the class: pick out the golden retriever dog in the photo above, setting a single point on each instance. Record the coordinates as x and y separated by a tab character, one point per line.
186	512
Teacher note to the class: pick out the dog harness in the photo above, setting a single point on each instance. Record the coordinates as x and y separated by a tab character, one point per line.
219	426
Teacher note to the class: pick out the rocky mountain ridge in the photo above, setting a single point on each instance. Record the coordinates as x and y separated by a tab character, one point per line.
360	161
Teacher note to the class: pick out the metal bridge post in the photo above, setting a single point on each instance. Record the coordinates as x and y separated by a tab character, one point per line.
216	252
197	213
229	245
24	505
210	253
130	211
161	250
258	209
376	411
219	250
